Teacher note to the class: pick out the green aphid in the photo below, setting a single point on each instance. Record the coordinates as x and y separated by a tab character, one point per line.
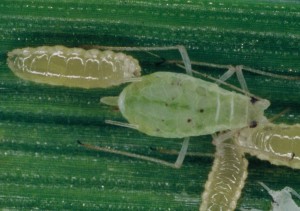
173	105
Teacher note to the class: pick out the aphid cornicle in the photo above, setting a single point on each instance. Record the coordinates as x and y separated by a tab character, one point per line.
73	67
174	105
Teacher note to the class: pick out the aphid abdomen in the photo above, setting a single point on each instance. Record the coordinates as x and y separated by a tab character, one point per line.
279	144
73	67
227	178
176	105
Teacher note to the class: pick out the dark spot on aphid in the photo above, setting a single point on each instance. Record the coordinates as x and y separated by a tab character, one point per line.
163	120
179	83
157	130
201	110
189	120
173	98
166	104
253	100
253	124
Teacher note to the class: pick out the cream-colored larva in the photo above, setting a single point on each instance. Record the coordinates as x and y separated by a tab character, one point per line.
278	144
226	179
73	67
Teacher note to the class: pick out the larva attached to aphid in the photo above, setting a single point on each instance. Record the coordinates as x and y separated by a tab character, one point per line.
226	179
278	144
73	67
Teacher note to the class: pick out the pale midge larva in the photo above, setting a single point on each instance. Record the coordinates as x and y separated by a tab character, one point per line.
73	67
277	143
156	98
226	179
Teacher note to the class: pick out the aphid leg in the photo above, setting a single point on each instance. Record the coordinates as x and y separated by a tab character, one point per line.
128	154
238	70
122	124
186	59
175	152
182	153
177	164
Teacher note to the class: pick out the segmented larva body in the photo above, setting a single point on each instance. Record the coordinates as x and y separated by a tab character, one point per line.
173	105
73	67
278	144
226	180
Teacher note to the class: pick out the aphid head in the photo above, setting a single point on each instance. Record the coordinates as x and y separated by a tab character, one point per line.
257	112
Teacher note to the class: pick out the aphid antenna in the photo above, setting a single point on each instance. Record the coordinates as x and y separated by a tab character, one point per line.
126	48
176	152
218	81
182	50
249	69
278	115
176	165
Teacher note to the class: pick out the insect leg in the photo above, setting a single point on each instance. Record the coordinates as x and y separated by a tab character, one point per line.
122	124
182	153
128	154
238	70
177	164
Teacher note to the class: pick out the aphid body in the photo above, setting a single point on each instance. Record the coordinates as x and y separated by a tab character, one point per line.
73	67
173	105
278	144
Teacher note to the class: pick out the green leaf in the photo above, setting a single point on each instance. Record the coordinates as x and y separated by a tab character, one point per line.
42	166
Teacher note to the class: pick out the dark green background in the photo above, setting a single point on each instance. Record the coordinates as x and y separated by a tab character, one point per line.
41	165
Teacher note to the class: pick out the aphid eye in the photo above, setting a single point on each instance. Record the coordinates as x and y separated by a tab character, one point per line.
253	124
253	100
